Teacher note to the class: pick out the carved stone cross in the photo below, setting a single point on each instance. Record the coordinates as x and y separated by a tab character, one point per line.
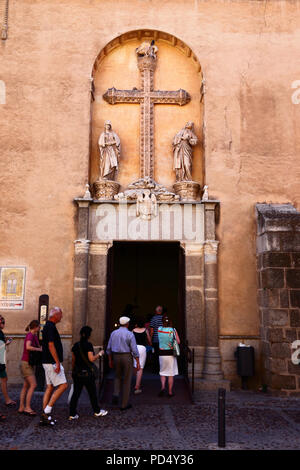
146	97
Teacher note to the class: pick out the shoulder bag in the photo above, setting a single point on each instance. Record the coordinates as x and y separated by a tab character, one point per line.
176	349
35	357
91	372
2	356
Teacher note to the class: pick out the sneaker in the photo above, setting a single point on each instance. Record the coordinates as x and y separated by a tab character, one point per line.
73	417
137	391
47	420
101	413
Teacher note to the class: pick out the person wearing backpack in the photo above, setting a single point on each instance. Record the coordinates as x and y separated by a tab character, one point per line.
83	373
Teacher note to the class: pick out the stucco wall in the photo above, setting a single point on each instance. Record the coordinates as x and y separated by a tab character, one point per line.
247	51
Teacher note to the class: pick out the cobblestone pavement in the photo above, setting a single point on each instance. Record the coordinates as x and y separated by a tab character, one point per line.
253	421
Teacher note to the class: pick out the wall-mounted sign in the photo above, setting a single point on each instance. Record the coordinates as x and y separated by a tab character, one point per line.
12	288
43	312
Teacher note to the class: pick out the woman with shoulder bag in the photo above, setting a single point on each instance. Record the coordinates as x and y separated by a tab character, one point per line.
31	345
167	336
83	373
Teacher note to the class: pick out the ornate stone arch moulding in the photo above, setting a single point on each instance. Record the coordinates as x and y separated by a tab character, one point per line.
147	34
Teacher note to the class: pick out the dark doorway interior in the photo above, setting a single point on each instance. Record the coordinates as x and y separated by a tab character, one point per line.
146	274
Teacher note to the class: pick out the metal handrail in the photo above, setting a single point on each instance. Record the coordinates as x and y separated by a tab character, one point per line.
101	378
189	356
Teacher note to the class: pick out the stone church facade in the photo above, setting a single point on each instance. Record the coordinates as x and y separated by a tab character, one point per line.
224	260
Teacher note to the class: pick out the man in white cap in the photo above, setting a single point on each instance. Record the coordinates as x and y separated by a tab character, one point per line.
121	350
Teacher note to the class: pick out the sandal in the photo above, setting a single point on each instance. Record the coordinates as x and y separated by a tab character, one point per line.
11	404
2	418
21	412
29	413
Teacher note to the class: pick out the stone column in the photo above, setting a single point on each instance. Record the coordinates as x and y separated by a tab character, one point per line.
213	376
97	285
212	362
81	268
194	301
278	269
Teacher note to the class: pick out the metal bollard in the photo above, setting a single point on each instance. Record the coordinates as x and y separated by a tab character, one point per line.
221	417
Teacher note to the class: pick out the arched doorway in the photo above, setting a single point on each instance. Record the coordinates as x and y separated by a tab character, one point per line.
191	222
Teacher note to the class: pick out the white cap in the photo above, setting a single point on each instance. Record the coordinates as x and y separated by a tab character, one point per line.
124	320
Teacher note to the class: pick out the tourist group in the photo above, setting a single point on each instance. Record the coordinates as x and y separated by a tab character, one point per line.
126	350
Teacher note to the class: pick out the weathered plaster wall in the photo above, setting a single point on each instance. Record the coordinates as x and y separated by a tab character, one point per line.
247	50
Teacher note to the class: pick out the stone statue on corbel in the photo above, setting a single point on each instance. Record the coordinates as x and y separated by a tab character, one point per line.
110	150
183	144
